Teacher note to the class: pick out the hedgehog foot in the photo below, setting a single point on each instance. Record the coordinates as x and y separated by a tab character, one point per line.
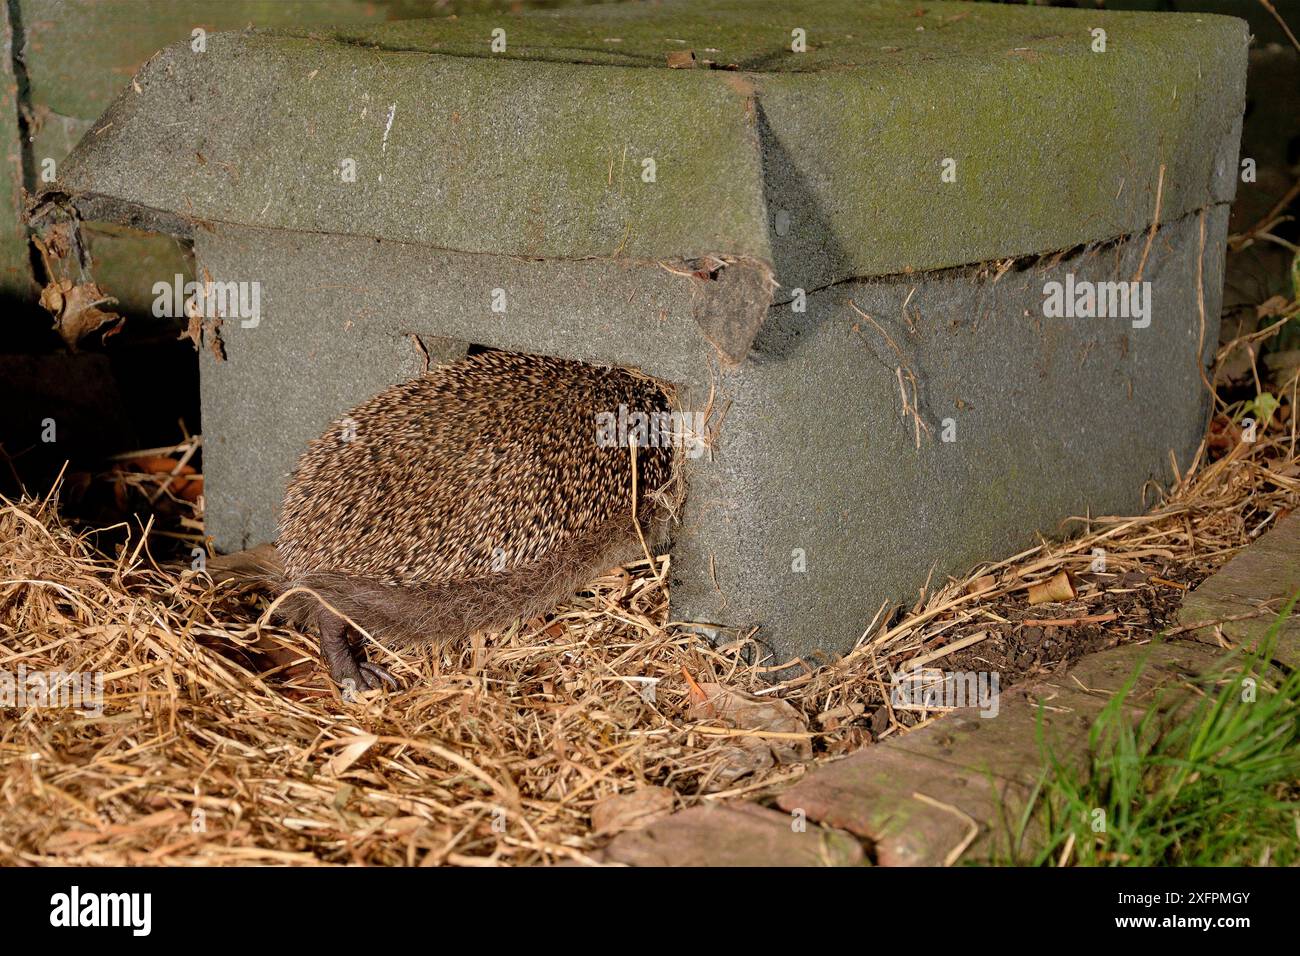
349	671
376	676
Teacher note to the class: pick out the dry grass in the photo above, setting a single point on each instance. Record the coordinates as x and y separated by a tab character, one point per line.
497	752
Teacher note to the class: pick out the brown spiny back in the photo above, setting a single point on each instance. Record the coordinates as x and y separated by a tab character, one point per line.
483	467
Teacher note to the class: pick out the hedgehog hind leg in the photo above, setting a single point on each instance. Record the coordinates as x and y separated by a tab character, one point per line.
349	670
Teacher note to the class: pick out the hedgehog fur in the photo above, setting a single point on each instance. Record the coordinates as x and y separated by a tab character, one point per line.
463	499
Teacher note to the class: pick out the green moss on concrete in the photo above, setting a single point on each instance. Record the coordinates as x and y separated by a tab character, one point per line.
756	36
538	151
1263	25
81	53
15	273
1051	150
480	155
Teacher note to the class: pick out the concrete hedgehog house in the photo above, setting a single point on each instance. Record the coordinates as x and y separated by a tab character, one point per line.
941	275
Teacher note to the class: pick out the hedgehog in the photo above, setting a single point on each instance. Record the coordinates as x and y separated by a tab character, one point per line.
477	493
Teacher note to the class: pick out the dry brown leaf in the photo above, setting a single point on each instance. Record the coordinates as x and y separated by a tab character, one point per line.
159	465
190	489
681	60
212	329
763	715
745	711
739	760
52	295
353	751
193	331
694	692
76	308
1059	587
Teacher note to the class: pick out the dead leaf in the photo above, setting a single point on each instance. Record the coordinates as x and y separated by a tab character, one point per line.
76	308
191	490
212	329
744	711
693	689
739	760
681	60
113	329
52	296
353	750
159	465
54	245
1057	588
193	331
763	715
631	811
1224	435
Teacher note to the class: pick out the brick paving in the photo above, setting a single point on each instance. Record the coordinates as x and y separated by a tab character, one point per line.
945	792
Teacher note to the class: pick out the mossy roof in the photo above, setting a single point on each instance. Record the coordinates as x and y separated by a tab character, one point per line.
826	164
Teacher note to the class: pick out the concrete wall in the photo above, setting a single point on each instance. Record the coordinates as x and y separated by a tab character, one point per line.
820	504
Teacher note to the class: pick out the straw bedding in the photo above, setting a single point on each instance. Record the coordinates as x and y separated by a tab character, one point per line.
221	740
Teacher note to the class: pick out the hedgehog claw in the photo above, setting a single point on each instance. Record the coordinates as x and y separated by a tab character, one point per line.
353	675
375	676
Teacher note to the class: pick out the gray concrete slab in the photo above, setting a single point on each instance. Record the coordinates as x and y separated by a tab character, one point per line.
820	504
